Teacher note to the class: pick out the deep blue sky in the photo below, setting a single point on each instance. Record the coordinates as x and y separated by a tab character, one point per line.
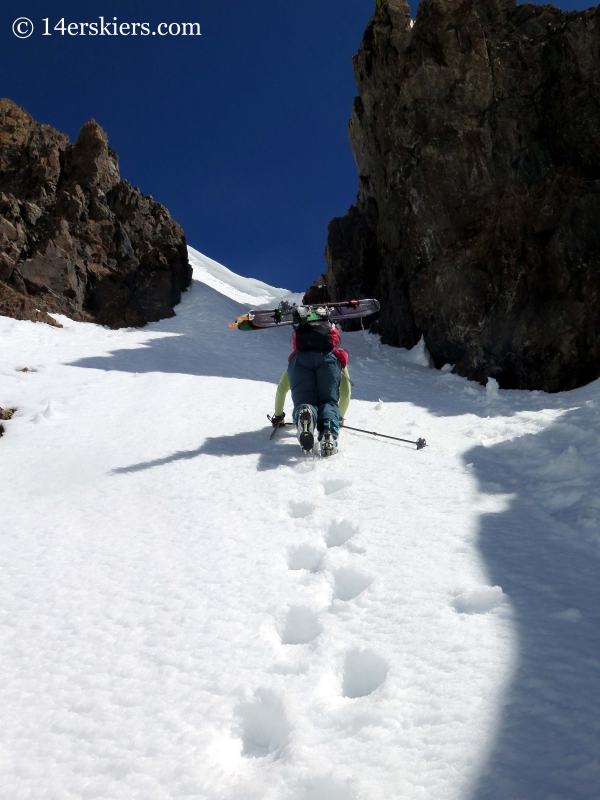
241	133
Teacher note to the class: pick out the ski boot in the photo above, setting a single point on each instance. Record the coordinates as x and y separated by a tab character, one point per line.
328	435
305	425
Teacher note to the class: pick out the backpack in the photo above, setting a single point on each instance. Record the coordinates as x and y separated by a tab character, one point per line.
314	331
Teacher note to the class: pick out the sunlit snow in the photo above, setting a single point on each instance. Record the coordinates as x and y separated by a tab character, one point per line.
189	610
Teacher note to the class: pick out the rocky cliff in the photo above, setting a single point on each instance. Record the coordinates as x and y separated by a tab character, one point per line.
74	238
477	221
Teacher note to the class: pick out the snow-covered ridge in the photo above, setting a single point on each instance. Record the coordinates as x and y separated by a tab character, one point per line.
242	290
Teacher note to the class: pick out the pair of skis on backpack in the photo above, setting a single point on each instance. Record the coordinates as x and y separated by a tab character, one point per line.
288	314
325	444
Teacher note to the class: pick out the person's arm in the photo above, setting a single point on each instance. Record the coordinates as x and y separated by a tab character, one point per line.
345	391
282	390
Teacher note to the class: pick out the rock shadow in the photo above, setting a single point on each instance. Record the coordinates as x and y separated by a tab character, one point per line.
544	551
197	342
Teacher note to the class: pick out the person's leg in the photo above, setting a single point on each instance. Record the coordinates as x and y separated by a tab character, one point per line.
303	383
328	373
328	390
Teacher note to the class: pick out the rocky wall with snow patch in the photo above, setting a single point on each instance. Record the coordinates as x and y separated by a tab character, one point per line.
77	240
477	221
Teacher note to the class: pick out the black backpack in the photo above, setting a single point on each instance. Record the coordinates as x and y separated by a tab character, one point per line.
313	331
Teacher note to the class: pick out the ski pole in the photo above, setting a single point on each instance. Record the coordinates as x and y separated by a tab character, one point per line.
420	443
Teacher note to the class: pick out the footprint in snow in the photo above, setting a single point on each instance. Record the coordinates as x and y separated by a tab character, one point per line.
364	671
350	582
480	600
339	532
569	614
304	466
356	546
332	485
301	626
263	724
305	556
326	786
300	509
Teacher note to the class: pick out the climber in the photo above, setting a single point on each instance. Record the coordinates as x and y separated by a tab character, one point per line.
317	374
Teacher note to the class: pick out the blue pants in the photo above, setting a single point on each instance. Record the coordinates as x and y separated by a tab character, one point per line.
315	382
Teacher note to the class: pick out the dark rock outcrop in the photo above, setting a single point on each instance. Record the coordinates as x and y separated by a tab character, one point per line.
477	223
317	292
74	238
5	414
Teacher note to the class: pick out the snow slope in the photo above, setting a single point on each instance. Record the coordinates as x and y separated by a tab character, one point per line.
242	290
189	610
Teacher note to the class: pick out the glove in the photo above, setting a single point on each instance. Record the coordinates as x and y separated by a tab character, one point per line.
277	419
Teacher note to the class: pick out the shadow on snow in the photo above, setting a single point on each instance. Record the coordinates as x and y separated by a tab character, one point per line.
544	553
198	342
239	444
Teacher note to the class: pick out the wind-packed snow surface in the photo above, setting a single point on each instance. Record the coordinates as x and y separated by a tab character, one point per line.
189	610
